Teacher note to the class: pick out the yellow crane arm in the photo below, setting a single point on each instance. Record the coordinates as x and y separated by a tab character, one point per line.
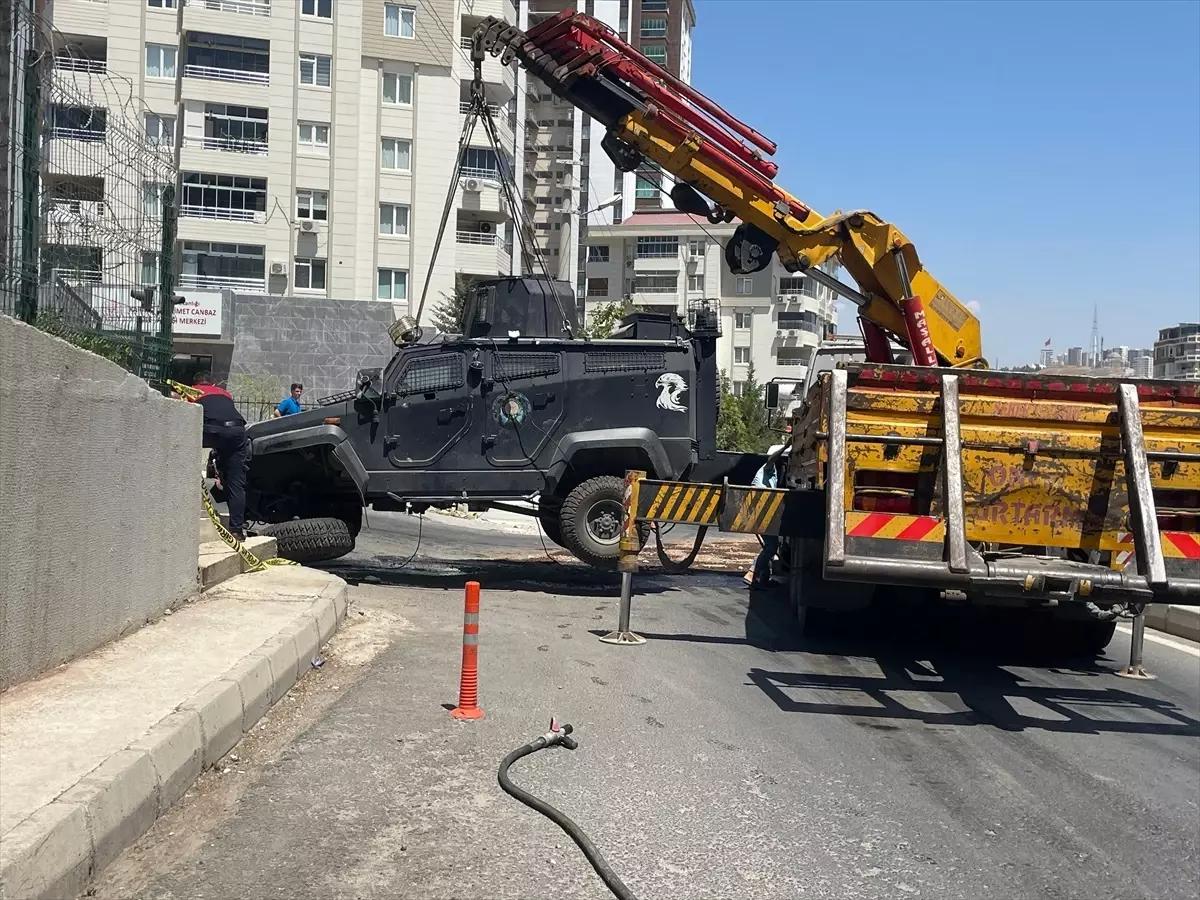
863	243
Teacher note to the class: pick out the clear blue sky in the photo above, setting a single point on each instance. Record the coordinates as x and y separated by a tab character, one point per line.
1043	157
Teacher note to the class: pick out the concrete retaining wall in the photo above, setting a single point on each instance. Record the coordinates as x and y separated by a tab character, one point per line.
98	488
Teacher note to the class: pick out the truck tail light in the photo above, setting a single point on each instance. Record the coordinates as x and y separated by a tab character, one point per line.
891	492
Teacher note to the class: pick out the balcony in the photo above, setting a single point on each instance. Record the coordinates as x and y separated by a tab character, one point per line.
213	73
79	64
223	282
237	7
224	214
227	145
499	116
480	253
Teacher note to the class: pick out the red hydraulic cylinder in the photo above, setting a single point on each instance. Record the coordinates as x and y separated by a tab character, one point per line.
917	326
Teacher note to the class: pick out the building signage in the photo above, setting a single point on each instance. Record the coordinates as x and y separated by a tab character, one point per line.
198	314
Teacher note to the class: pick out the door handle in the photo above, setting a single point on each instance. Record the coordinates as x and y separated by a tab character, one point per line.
541	401
446	413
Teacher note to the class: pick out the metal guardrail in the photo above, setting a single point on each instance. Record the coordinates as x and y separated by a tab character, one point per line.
189	211
239	7
79	64
227	145
221	282
213	73
478	237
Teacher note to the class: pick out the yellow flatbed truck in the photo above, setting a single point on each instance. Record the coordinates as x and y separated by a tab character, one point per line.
1078	498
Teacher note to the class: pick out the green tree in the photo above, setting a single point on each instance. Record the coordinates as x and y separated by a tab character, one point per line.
755	420
731	428
604	319
447	315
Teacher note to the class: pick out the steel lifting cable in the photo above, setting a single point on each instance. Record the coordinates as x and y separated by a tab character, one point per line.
479	111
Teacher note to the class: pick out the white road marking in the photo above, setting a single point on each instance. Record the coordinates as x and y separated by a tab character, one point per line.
1189	649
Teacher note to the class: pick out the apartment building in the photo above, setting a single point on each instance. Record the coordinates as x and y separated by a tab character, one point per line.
662	260
570	184
315	139
1177	352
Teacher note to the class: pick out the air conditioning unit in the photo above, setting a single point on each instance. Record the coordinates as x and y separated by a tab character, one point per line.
278	268
307	225
471	184
486	228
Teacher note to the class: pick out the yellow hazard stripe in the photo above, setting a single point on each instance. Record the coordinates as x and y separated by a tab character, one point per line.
680	502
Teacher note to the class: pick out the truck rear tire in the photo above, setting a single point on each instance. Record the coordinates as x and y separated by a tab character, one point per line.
1086	638
310	540
590	520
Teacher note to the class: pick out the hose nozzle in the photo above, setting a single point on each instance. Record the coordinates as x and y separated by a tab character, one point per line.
559	735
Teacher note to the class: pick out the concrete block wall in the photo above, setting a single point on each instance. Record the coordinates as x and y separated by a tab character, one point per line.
98	485
320	343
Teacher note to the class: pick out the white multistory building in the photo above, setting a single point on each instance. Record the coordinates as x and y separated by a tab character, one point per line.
570	184
315	139
1177	352
662	261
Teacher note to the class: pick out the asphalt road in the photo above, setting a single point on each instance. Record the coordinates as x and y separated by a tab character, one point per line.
726	758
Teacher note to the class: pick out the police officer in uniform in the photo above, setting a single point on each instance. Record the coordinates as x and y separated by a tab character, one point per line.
225	432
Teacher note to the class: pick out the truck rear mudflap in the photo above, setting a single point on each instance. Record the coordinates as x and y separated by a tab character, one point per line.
943	550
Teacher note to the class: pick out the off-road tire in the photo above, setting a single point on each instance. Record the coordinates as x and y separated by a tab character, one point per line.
573	520
550	518
310	540
1086	638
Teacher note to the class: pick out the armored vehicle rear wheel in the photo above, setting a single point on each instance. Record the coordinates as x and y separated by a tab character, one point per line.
310	540
591	519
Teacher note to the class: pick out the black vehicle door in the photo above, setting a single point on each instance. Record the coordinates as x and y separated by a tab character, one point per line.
524	407
430	409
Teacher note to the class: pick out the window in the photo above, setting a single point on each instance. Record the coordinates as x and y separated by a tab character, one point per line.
160	61
160	130
654	28
597	287
739	388
741	356
645	188
397	154
321	9
312	137
399	21
236	197
315	69
597	253
745	285
152	197
696	283
654	6
161	4
393	219
249	58
79	123
657	247
806	321
656	283
397	89
790	286
310	274
656	53
742	319
696	249
312	205
393	284
235	129
149	267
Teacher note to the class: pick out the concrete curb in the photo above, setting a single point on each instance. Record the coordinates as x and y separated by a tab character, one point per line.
56	851
217	562
1181	621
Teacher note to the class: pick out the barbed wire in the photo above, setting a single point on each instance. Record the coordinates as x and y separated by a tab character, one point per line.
89	173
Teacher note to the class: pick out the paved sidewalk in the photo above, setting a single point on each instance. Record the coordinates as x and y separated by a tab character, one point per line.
96	750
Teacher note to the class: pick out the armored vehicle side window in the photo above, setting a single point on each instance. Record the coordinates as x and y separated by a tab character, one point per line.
443	372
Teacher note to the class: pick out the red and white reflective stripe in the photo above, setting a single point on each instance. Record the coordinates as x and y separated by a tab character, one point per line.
1122	557
895	526
1180	545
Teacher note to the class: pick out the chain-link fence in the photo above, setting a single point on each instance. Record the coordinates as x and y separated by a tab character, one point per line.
89	187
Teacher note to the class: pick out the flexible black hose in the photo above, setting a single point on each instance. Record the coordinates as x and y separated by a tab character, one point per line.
603	869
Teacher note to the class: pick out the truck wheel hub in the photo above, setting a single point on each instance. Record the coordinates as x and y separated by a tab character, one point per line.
604	521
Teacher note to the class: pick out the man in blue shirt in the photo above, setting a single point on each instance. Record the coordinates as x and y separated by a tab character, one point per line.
768	477
290	405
